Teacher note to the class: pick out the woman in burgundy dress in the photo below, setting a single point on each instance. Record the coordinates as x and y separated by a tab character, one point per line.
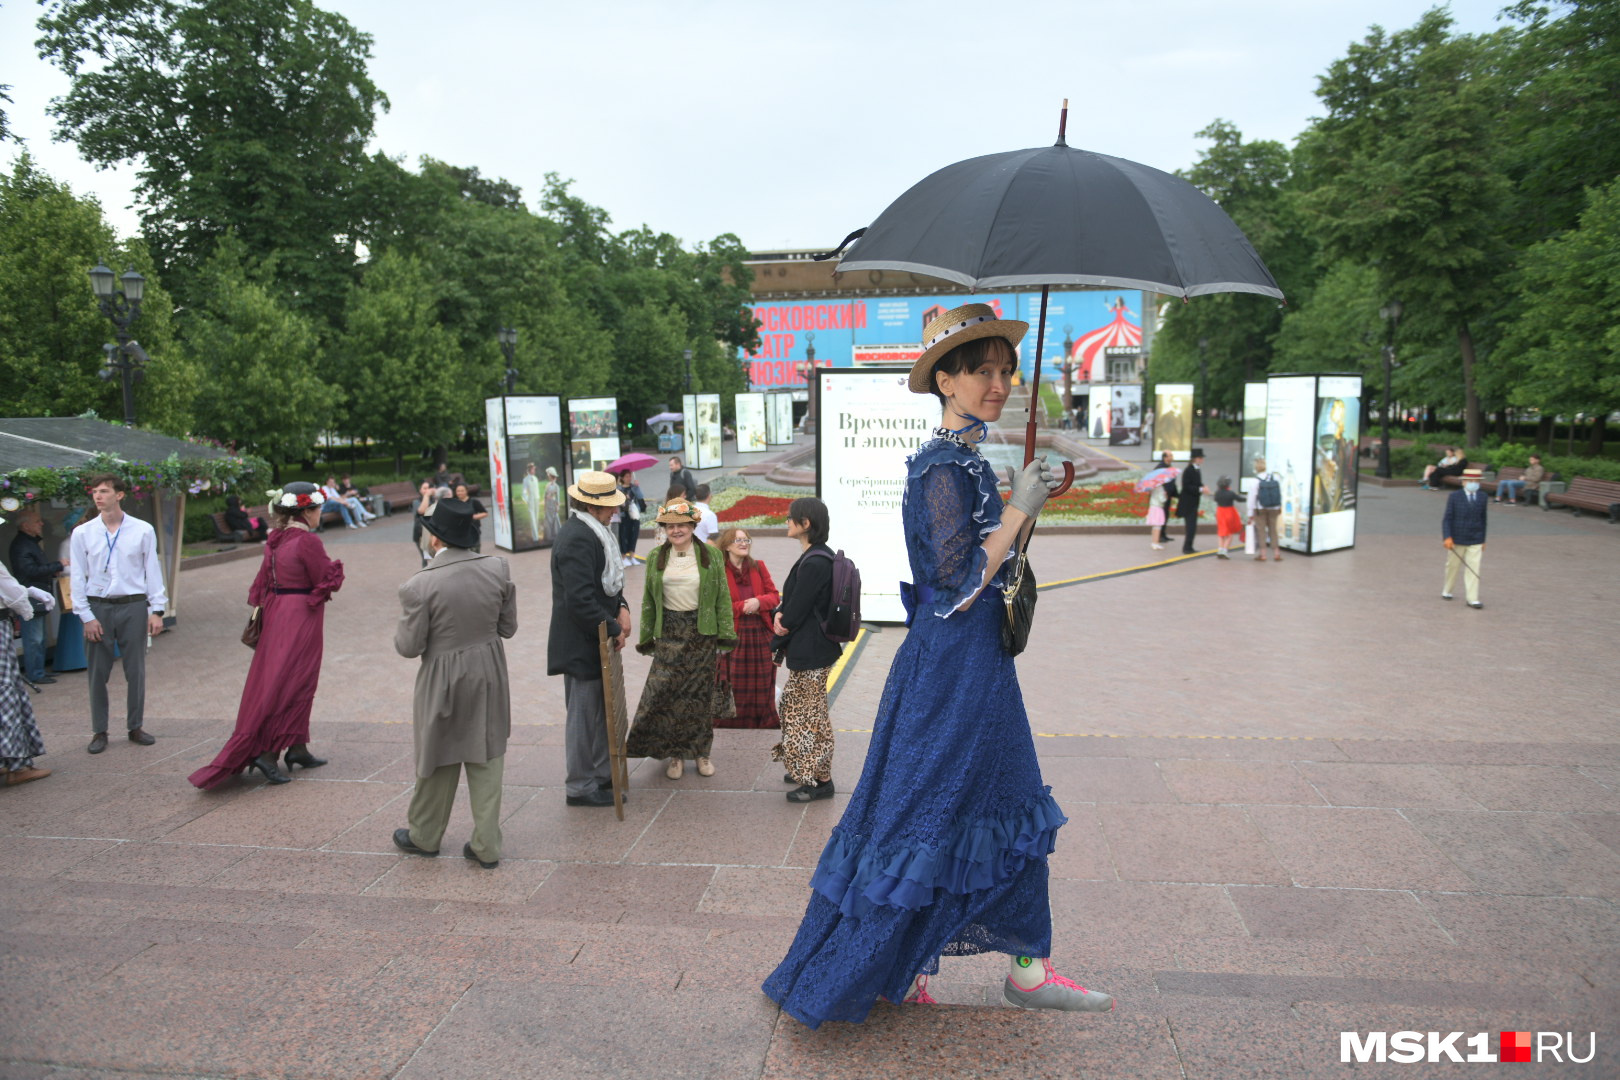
295	581
753	599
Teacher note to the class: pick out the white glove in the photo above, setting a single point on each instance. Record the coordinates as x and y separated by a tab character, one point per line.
40	596
1031	486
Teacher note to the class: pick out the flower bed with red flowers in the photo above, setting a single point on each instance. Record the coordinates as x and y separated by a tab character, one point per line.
756	509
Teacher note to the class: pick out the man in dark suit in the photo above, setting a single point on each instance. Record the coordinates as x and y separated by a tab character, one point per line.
1462	528
587	589
32	569
1190	490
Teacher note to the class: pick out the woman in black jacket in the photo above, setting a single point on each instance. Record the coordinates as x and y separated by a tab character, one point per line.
807	736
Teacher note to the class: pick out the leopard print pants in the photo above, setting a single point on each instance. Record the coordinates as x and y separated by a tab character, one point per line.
807	736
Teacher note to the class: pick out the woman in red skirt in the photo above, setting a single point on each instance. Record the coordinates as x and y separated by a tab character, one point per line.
753	598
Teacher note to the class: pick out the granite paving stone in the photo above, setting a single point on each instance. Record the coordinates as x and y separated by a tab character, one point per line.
1534	787
1386	785
749	828
1526	854
303	871
1387	918
1151	842
1354	848
1238	782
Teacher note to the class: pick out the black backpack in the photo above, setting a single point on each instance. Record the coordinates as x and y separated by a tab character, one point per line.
1270	494
843	619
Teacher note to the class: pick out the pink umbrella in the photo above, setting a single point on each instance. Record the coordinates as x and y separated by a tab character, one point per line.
1157	478
631	462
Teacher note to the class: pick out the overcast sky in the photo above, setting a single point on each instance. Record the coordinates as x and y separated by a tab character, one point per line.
792	123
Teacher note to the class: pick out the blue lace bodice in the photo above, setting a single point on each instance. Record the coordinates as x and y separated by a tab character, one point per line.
950	505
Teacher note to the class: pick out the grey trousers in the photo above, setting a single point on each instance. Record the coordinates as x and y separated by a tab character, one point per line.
585	737
125	625
435	794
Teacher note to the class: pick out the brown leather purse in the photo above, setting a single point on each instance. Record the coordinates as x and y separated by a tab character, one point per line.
255	623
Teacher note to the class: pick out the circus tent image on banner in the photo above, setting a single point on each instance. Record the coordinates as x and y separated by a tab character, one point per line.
1090	348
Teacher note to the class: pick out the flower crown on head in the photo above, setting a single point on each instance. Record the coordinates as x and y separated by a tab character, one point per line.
680	508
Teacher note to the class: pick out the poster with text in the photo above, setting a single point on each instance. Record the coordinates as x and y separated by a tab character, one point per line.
1101	417
1338	435
779	419
1125	415
499	484
539	470
593	432
1291	451
750	423
1254	432
702	412
1082	326
1172	420
870	423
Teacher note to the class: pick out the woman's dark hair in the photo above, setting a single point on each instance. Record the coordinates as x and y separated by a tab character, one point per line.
676	491
813	512
455	491
966	357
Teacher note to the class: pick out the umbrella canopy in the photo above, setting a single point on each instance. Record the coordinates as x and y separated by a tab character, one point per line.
1157	478
1058	215
663	416
631	462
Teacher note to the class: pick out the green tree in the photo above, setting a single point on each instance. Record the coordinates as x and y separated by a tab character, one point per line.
1404	173
261	387
1250	181
1568	335
51	332
239	115
401	367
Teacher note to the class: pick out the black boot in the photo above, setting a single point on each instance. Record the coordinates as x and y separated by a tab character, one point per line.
266	764
300	755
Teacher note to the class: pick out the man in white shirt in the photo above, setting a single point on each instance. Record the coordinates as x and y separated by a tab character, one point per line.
118	594
709	523
1265	504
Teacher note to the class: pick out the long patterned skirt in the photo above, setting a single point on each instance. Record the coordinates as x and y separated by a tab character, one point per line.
807	735
19	735
753	678
675	718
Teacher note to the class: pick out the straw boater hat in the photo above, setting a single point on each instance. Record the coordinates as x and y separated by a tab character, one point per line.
678	512
1473	474
596	488
970	322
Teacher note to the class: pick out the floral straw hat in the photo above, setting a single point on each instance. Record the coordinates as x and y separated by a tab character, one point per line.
678	512
298	495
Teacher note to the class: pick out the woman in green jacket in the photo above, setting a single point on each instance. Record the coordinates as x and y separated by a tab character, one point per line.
685	622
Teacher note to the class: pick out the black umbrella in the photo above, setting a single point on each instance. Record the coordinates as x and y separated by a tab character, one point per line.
1058	215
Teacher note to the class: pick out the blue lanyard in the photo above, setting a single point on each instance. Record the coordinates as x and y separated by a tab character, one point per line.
112	542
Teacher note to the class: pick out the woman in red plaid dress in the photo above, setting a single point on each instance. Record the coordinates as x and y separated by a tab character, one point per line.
753	598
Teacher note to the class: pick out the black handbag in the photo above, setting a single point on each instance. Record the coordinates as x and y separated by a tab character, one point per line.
255	623
1020	600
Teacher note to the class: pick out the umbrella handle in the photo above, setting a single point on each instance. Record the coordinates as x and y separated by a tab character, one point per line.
1068	480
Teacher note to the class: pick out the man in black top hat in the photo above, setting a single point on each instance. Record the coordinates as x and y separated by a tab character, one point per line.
457	609
1191	489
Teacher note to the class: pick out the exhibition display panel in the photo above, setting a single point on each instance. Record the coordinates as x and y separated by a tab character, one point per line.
528	468
1313	428
1254	432
870	423
593	433
750	422
702	412
1173	420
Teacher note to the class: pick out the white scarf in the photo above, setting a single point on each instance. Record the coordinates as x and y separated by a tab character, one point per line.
613	572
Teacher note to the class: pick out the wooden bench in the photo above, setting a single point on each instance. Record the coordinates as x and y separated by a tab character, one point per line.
1457	481
1588	493
223	534
1512	472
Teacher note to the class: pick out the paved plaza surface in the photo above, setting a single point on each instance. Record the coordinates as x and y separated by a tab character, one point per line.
1305	797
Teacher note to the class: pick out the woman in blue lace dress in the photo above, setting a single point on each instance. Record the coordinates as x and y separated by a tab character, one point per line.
942	850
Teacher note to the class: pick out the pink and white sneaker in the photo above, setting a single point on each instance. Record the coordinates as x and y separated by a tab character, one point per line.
1056	992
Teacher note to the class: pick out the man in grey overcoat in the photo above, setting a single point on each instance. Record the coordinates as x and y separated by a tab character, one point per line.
457	609
587	589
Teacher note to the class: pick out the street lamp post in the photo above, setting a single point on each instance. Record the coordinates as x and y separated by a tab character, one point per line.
686	354
1068	367
1391	314
1203	387
807	369
123	307
507	336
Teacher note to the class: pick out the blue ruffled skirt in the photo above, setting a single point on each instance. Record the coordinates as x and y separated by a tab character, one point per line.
942	850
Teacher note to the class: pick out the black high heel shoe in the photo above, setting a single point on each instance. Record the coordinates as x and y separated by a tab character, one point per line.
266	764
303	757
